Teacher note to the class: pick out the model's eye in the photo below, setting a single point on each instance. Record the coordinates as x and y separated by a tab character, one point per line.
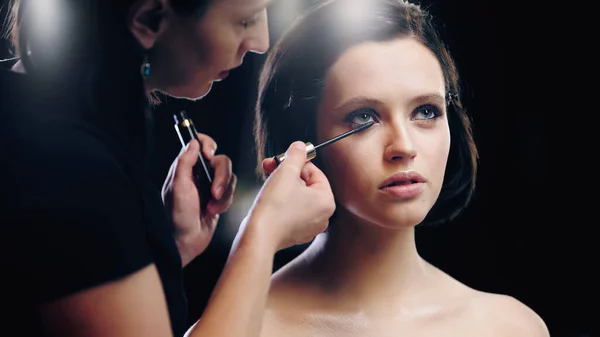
361	116
426	112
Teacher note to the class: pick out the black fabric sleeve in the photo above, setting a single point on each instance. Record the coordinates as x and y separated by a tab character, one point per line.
73	219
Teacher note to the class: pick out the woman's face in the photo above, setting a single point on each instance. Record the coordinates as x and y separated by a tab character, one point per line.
392	173
193	52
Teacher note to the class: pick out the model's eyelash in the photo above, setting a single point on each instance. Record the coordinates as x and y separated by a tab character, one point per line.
366	114
426	113
434	111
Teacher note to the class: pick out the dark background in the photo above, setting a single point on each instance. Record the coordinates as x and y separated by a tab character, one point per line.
525	233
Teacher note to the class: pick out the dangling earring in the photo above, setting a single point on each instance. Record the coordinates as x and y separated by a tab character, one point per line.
146	67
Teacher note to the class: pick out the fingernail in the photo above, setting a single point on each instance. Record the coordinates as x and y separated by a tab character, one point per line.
219	192
299	145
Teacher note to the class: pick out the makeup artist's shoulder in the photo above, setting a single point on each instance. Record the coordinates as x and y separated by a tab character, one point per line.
506	316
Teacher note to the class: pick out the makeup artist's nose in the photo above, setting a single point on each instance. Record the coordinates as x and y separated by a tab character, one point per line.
399	145
258	42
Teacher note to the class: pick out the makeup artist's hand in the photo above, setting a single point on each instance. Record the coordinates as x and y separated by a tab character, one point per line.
294	204
194	228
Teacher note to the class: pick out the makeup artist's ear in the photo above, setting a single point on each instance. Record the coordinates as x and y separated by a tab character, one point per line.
147	20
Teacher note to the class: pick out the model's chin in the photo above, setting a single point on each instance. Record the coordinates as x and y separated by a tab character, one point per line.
399	219
393	216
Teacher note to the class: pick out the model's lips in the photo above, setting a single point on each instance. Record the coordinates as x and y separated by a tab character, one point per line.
403	192
403	185
403	179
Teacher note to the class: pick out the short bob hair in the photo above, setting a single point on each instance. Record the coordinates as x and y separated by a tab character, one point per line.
293	78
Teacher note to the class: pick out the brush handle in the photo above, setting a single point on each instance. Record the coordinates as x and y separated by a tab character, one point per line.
311	153
203	171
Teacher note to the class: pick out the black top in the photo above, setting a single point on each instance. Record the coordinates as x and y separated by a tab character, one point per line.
77	208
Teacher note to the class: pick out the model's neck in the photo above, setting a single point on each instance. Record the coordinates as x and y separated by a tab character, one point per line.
368	264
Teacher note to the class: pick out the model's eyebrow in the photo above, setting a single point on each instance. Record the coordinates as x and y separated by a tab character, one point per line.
356	102
370	101
429	98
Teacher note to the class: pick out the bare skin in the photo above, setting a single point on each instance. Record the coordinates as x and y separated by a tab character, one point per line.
365	276
438	305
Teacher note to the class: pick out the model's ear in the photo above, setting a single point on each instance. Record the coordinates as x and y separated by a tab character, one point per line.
147	21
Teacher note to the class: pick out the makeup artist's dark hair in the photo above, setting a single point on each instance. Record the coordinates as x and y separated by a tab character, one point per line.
293	78
91	47
18	23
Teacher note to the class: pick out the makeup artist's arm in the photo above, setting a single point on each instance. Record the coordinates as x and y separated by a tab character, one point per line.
195	228
104	283
293	206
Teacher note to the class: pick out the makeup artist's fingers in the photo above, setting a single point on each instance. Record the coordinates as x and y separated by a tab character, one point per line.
269	165
223	172
166	186
216	207
185	163
295	157
312	175
209	146
168	183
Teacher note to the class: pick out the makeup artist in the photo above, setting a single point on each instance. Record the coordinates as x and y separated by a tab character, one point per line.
87	246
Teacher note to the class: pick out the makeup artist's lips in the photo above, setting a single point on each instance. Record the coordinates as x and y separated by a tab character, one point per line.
223	75
403	185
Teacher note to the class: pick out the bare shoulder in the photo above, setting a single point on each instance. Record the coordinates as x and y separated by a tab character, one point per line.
509	316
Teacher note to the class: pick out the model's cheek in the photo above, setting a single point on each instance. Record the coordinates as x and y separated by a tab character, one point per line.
434	160
349	169
334	168
440	161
